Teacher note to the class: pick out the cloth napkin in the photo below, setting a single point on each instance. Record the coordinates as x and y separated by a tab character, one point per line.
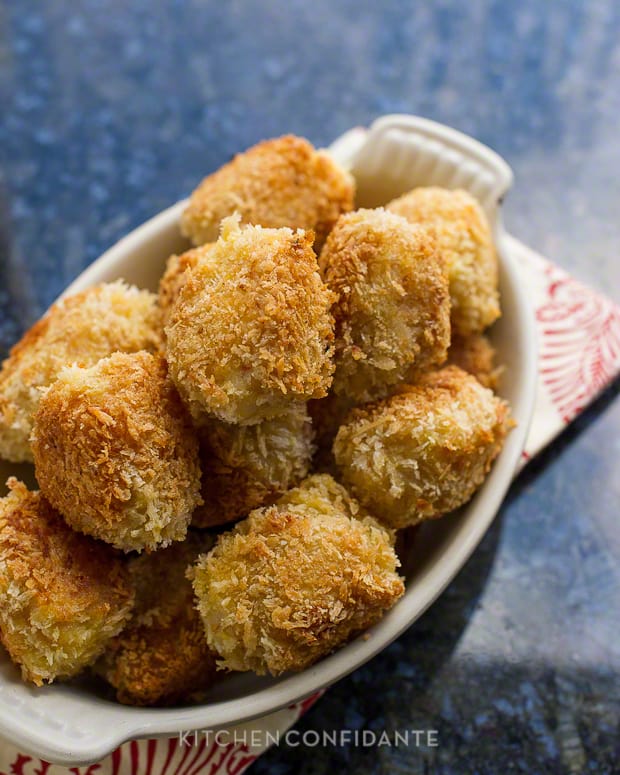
579	355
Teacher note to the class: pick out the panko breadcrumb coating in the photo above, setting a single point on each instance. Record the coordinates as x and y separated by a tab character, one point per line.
476	355
80	329
279	182
62	595
115	453
322	494
296	580
162	657
174	276
246	466
392	311
464	237
425	451
250	332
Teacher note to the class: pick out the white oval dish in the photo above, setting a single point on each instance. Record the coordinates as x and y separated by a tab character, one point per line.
69	723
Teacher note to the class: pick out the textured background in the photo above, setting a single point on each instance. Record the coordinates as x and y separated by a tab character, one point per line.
110	111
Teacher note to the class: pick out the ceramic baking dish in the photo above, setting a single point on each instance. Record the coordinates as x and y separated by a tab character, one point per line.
72	723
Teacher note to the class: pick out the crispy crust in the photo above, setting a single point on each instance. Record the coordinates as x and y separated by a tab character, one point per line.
62	595
250	332
393	307
294	581
162	657
246	466
115	453
425	451
322	494
279	182
174	276
81	329
464	237
476	355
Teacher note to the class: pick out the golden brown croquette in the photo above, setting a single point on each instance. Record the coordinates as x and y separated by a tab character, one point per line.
162	657
80	329
250	332
464	237
476	355
422	452
296	580
246	466
62	595
279	182
115	452
392	312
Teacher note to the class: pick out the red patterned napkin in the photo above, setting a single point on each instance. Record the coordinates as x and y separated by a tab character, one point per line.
579	341
579	345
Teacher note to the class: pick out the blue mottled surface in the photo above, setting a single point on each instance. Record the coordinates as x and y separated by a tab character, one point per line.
109	111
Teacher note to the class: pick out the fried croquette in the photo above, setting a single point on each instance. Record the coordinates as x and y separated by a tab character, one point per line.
63	595
115	453
162	657
464	237
392	312
279	182
296	580
476	355
246	466
250	332
422	452
80	329
174	276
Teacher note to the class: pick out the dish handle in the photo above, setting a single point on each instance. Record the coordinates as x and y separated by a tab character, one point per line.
405	151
